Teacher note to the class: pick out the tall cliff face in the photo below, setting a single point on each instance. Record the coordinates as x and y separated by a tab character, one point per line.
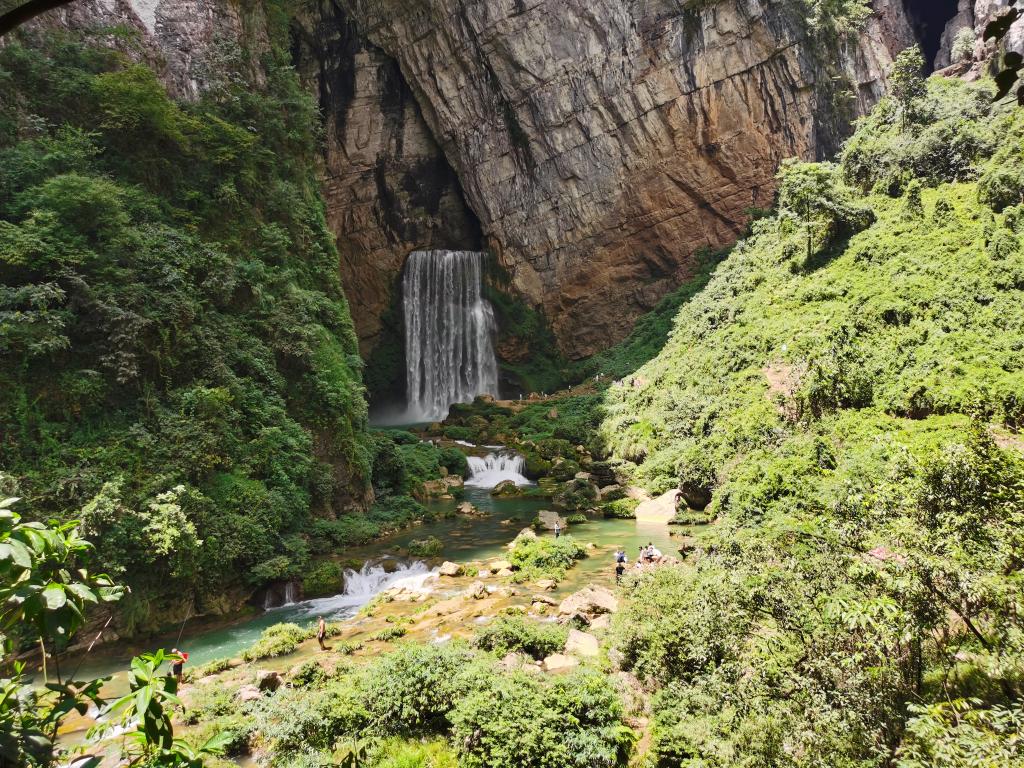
388	187
601	143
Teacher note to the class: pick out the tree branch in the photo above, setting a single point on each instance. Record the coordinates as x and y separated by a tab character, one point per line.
18	15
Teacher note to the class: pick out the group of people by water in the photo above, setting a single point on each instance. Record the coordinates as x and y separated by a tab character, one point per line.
649	555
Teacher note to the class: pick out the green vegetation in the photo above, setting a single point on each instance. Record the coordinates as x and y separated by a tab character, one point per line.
178	359
539	557
277	640
45	589
840	392
507	635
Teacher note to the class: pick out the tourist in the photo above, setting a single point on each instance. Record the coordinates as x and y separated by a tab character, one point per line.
620	565
178	659
321	633
558	529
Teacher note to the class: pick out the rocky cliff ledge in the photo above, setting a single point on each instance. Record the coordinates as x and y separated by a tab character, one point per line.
602	143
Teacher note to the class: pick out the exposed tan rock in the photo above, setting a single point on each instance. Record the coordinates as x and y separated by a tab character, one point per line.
582	644
451	569
659	510
589	601
547	584
601	144
268	680
559	662
248	693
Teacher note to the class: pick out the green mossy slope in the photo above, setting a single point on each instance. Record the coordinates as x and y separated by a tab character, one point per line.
846	392
176	352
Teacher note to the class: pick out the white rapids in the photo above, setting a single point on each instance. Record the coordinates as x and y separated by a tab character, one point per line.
496	468
363	585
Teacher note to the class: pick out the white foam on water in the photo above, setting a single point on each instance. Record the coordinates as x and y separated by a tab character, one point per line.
363	585
496	468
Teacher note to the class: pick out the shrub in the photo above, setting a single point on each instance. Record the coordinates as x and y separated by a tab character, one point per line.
327	536
388	634
506	635
410	691
310	673
398	753
624	509
277	640
325	578
534	555
394	512
428	547
297	720
520	721
206	702
678	624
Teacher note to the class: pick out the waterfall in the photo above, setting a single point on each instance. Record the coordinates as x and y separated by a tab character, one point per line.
363	585
496	468
449	350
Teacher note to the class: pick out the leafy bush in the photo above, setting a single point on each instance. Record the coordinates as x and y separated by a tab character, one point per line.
411	690
507	635
398	753
299	720
518	721
327	536
324	578
536	556
428	547
623	509
394	512
276	640
209	701
388	634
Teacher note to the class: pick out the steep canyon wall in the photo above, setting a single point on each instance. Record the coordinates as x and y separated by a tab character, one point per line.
593	146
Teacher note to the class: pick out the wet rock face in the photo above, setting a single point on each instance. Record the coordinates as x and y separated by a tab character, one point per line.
602	143
388	188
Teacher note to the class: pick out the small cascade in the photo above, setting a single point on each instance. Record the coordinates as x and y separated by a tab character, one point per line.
280	595
363	585
495	468
449	329
289	593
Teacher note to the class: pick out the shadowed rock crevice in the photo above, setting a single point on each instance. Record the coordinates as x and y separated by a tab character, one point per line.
602	144
388	187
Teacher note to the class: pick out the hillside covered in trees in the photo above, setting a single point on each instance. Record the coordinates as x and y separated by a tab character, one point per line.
831	409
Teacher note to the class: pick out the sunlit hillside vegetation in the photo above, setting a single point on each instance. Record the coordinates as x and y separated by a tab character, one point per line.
846	393
179	367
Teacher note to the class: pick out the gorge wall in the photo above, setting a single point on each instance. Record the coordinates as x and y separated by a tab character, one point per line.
594	146
601	144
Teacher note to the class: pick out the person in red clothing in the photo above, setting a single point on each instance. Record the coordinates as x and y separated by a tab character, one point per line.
178	659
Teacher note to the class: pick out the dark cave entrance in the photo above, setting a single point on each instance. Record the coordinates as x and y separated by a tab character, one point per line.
929	18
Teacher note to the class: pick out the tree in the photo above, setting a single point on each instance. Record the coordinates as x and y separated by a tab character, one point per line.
907	82
44	592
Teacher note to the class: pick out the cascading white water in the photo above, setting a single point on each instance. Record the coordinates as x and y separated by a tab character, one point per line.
449	325
363	585
495	468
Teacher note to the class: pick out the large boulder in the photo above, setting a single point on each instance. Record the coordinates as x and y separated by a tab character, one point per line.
548	518
451	569
559	662
582	644
248	693
659	510
495	566
506	488
548	585
268	680
589	601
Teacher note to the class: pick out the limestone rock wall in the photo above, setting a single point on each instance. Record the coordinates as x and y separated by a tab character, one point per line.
601	143
388	187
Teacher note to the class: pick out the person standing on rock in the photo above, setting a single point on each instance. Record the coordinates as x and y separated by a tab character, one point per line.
321	633
620	565
558	529
178	659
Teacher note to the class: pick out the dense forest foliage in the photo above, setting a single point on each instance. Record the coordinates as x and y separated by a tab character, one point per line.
845	394
178	366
